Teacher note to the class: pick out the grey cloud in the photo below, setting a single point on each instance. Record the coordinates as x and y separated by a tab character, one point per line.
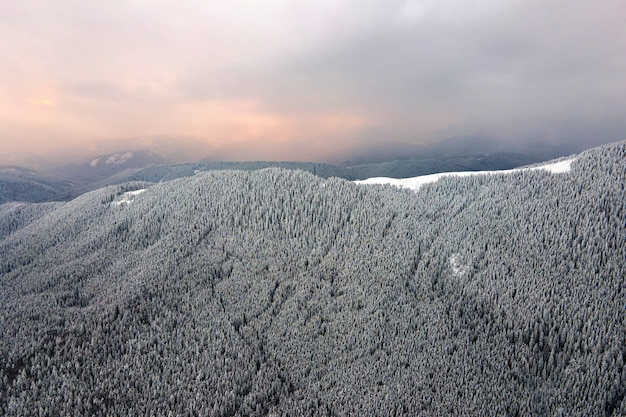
526	67
516	71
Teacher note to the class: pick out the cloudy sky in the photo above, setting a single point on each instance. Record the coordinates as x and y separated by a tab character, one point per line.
306	80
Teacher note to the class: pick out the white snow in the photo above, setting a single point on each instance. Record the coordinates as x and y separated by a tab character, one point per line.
416	182
557	167
119	158
128	197
457	267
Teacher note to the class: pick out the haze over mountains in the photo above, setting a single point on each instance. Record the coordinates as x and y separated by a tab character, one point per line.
68	181
62	182
280	292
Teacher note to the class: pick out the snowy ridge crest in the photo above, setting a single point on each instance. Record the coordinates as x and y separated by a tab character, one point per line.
415	183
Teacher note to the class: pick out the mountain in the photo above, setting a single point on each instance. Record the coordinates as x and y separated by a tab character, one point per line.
70	181
104	166
556	167
462	150
22	184
395	169
277	292
491	161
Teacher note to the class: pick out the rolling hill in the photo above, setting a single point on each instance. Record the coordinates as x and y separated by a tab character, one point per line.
21	184
70	181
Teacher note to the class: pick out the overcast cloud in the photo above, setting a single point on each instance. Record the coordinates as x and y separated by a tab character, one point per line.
306	80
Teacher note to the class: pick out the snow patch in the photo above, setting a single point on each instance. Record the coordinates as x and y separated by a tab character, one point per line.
95	162
557	167
456	266
119	158
8	171
416	182
128	197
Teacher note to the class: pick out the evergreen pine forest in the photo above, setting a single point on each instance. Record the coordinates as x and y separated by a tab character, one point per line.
278	292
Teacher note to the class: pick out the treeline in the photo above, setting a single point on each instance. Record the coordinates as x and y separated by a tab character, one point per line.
280	292
393	169
66	183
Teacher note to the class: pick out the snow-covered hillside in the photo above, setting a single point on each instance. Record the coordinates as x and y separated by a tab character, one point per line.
116	158
416	182
128	197
278	292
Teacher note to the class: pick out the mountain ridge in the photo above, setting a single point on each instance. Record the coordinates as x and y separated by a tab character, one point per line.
67	182
280	292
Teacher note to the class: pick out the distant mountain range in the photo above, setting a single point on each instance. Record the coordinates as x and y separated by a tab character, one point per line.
62	183
67	182
105	166
21	184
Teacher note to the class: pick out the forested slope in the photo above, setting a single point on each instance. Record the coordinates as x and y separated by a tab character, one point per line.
20	184
68	182
277	292
394	169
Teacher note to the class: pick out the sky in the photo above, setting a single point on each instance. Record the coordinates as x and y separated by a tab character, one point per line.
306	80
